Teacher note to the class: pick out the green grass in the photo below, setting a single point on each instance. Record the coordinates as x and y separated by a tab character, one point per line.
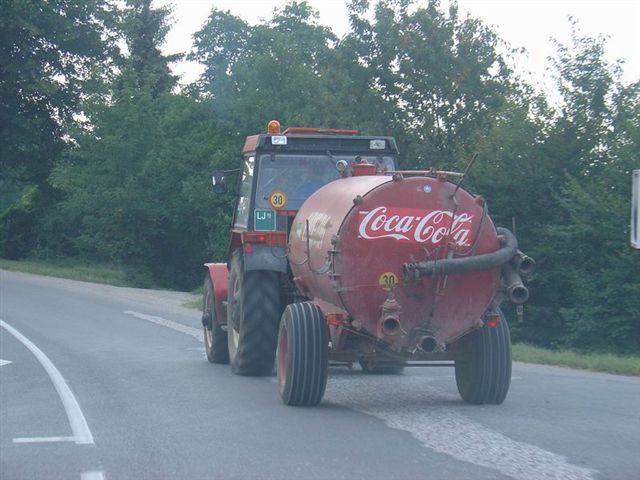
72	269
196	303
599	362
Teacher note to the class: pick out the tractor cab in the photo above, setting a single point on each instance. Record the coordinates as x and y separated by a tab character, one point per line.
280	170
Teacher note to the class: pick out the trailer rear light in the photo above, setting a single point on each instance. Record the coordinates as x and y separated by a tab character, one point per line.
493	321
335	319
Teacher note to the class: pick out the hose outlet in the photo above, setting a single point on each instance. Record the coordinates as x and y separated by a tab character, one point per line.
391	326
428	344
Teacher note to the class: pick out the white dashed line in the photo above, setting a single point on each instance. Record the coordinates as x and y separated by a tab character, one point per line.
92	476
79	428
44	439
178	327
433	418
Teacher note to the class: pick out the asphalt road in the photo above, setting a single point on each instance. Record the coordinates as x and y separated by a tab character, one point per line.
112	383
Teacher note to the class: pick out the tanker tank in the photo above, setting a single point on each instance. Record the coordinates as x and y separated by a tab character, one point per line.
353	243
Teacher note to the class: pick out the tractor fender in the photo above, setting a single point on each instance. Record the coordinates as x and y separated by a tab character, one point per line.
265	257
219	274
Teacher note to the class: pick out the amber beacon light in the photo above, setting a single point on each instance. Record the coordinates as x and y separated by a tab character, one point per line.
273	127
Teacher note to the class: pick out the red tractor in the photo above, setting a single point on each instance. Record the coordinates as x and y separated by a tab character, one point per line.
338	256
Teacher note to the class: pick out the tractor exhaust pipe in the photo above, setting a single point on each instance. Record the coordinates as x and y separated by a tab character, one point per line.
513	285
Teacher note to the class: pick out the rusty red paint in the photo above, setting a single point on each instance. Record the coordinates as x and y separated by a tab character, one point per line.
361	228
220	278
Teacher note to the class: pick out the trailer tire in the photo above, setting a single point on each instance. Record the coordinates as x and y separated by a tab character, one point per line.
373	368
483	370
253	313
215	338
302	355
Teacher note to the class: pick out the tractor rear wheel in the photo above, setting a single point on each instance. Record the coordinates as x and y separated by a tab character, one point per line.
303	344
215	339
254	306
483	370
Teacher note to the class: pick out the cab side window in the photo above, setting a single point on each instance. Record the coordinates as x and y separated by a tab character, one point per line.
244	201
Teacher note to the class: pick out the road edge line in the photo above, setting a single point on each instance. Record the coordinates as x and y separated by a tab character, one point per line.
79	427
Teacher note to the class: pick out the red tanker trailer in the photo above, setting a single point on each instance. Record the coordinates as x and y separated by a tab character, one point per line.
337	256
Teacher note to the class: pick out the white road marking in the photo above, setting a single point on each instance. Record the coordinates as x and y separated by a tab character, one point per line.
413	404
4	362
92	476
44	439
79	428
178	327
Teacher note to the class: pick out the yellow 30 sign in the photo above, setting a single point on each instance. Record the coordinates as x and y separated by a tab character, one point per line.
388	280
278	200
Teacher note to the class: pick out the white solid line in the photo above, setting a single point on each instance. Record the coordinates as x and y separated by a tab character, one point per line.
92	476
79	428
4	362
44	439
178	327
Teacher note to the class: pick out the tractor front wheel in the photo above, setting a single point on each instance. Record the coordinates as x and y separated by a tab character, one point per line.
483	370
302	355
215	338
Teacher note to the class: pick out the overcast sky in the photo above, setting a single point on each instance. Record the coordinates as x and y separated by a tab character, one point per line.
523	23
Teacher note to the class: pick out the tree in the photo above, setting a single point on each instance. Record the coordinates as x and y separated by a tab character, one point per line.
289	68
48	50
128	184
444	74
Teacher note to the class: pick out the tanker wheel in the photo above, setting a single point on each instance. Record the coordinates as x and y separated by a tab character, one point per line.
253	314
215	339
483	371
381	368
302	355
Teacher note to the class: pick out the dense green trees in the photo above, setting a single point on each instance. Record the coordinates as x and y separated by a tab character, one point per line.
103	158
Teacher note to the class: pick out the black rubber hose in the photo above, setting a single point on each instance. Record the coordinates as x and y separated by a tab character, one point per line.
475	263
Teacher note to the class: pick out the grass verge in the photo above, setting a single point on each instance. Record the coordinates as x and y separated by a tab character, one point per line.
72	269
599	362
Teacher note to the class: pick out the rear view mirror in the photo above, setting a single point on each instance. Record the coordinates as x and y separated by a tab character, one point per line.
218	181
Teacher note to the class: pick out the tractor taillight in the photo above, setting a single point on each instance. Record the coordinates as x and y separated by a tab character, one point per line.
273	239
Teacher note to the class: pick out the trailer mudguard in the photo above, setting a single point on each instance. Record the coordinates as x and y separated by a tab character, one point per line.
219	274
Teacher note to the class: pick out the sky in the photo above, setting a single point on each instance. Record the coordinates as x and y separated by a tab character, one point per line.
522	23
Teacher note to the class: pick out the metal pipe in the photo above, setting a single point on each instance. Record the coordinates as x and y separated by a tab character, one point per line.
513	285
428	344
474	263
525	264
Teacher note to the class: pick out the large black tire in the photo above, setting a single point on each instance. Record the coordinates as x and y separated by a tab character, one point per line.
215	338
483	370
387	368
303	344
254	307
